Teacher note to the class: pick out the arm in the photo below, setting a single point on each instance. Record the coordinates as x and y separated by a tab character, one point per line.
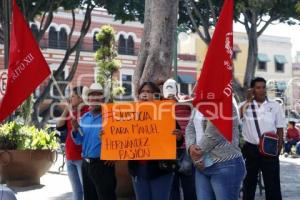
211	138
280	135
190	135
76	136
248	102
62	119
192	148
280	123
243	109
179	135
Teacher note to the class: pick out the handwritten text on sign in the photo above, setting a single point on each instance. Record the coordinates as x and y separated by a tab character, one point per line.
138	131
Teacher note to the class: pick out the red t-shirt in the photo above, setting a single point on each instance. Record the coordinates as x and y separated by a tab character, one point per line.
73	151
293	134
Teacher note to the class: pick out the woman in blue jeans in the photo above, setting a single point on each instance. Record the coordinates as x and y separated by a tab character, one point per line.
73	151
220	168
150	182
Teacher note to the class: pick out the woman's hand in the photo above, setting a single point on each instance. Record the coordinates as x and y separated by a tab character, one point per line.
178	134
195	152
100	134
199	164
197	156
75	124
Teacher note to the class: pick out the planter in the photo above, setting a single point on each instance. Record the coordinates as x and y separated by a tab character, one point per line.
21	168
124	188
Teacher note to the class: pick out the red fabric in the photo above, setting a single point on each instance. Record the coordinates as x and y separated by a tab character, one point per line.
183	113
293	134
27	67
213	94
73	151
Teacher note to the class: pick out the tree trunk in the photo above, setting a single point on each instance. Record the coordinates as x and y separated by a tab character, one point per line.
252	55
155	57
70	50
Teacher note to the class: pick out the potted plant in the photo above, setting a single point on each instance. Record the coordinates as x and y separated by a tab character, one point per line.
26	153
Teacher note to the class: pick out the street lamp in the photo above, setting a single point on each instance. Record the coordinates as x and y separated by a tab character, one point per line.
6	27
179	29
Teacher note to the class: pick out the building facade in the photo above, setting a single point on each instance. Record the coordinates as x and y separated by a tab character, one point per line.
128	38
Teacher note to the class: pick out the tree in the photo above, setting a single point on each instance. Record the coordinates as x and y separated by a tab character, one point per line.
201	15
257	15
155	57
107	64
38	8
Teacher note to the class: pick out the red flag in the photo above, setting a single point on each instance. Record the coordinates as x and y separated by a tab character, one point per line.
213	94
27	67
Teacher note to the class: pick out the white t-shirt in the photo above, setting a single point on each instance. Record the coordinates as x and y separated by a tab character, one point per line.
198	118
270	117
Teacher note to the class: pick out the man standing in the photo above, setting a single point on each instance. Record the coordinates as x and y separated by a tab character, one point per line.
98	176
270	117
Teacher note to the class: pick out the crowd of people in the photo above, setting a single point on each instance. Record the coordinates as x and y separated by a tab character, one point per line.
207	165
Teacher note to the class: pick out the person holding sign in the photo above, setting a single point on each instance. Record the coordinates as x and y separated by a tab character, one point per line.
99	181
220	165
73	151
184	178
150	180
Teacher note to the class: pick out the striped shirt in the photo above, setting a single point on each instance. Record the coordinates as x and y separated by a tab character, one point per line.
213	143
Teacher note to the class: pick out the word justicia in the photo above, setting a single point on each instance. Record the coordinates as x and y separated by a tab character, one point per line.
129	116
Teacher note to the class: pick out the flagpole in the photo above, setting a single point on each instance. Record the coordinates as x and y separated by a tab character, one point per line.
6	26
64	98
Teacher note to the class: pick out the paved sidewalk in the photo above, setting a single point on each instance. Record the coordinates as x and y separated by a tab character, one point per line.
290	179
55	186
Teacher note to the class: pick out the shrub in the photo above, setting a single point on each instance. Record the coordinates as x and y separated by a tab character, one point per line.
21	137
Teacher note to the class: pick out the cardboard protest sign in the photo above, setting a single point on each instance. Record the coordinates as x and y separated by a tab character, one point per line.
138	131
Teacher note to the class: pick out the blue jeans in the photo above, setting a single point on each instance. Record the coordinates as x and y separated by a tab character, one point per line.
187	183
289	144
153	189
221	181
75	176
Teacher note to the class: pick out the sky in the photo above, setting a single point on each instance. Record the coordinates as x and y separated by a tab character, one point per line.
282	30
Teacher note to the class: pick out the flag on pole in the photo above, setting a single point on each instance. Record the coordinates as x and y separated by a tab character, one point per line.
213	93
27	67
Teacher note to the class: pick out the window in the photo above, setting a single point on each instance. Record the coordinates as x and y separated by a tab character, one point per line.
53	38
280	60
130	46
262	60
96	44
122	45
262	66
63	37
126	46
34	30
127	84
279	67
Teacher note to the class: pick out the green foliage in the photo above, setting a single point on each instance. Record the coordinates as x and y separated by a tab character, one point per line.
25	110
118	90
126	10
105	57
282	10
21	137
